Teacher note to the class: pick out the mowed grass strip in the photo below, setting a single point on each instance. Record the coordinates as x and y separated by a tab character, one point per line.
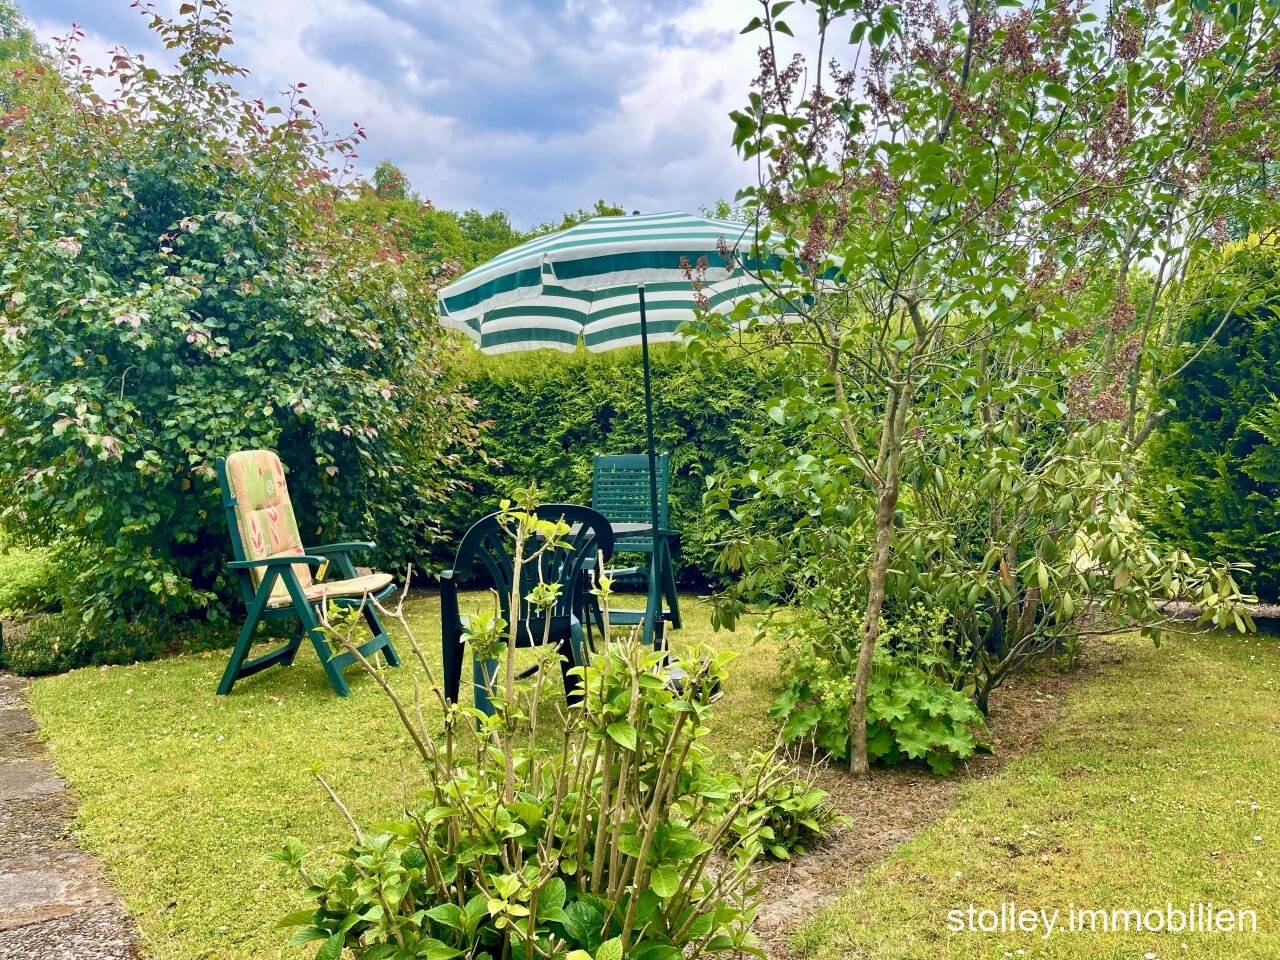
1159	784
182	793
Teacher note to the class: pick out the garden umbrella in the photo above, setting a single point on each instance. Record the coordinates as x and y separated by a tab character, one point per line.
607	282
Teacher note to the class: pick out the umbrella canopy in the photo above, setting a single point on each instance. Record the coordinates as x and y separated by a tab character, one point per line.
579	285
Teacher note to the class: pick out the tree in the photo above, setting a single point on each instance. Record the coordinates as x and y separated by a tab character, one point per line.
389	183
1214	470
178	283
20	55
966	220
574	217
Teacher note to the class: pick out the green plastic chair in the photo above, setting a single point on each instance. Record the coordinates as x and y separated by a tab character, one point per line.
484	557
620	490
275	572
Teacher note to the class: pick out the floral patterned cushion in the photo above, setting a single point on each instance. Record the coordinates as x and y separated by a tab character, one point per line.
265	515
331	589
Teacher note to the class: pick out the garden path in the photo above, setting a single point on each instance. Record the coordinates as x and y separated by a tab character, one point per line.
54	902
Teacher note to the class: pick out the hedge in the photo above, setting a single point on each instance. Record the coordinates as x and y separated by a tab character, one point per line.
1218	445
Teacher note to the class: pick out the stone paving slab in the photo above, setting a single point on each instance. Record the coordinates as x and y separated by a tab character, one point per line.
21	746
54	902
15	720
20	779
32	822
103	934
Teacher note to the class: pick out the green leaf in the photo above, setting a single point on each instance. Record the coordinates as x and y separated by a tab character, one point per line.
665	881
610	950
296	919
308	934
622	733
331	949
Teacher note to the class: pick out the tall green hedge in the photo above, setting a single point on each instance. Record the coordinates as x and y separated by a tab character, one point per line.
1219	445
547	413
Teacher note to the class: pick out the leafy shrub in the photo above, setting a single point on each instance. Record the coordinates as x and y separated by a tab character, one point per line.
788	818
1216	448
914	711
598	847
176	284
545	420
56	643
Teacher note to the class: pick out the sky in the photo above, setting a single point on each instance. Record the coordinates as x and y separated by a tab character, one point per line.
531	106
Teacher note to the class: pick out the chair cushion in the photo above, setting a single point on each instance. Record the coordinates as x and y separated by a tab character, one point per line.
355	587
264	515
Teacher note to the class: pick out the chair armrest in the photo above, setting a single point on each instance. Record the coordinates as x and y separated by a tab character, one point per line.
335	548
276	562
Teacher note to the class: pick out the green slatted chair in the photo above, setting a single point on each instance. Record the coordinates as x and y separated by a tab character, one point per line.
620	490
275	572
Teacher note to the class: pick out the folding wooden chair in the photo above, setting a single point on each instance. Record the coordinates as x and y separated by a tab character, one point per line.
275	572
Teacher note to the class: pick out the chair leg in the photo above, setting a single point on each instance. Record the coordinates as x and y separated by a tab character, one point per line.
484	678
653	607
669	585
311	623
378	630
294	646
573	653
451	655
593	618
241	651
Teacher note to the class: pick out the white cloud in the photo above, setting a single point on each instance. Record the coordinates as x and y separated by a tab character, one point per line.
503	104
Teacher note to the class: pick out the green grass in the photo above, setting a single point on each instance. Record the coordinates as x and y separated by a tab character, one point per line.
182	792
28	578
1160	783
1143	792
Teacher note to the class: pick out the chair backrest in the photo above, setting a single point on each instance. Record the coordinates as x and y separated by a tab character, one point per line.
488	547
620	490
260	515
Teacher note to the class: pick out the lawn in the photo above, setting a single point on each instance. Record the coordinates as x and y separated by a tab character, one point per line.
182	793
1160	783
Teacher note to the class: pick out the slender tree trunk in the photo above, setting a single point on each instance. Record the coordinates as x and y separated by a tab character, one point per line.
889	470
886	505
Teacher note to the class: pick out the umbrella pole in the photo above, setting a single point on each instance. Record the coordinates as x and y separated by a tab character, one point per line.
650	627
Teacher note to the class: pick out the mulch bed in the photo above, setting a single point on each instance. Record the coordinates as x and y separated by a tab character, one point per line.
897	803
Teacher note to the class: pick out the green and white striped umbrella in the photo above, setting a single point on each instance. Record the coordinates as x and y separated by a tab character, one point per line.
609	282
580	285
